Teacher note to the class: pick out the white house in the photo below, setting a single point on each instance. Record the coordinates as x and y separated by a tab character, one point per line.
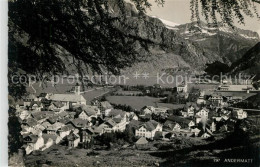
33	142
240	114
148	129
203	113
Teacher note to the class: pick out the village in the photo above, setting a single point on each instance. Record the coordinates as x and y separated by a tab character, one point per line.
68	120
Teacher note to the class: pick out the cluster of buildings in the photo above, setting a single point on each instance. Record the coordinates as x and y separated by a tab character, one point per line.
50	119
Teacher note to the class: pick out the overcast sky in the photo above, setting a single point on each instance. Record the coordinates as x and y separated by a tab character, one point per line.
178	11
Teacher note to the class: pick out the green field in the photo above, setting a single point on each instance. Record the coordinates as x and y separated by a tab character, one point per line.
138	102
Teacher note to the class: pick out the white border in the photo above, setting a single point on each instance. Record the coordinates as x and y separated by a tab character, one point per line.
3	83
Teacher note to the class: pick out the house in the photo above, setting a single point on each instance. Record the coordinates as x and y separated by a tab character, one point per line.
68	100
195	131
53	119
132	116
54	137
33	142
86	135
29	99
48	142
105	107
56	105
41	116
65	130
53	129
73	140
46	124
86	112
117	123
171	126
205	133
204	112
216	98
147	110
36	105
28	124
212	125
79	123
148	129
24	114
154	110
239	114
183	122
191	108
141	143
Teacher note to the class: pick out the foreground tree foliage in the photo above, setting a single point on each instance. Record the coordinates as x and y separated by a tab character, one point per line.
225	11
51	37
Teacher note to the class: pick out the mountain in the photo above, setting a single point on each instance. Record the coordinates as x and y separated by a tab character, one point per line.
187	46
249	63
224	43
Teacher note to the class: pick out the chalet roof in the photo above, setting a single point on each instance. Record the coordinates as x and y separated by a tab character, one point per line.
30	122
111	122
66	128
80	123
53	119
62	114
170	124
67	97
38	103
38	115
106	105
55	126
142	140
117	112
205	131
46	137
46	124
57	104
134	123
64	120
150	125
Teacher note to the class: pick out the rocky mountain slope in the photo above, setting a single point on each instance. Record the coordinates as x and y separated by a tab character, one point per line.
249	63
188	46
226	43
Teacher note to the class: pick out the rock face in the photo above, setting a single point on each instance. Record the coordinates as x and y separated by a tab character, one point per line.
188	46
249	63
227	44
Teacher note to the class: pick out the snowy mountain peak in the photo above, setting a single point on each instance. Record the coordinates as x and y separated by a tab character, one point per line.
168	24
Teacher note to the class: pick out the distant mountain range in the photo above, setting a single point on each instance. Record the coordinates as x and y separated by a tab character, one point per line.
188	46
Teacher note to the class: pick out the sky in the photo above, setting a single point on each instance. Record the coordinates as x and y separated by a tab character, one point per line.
178	11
